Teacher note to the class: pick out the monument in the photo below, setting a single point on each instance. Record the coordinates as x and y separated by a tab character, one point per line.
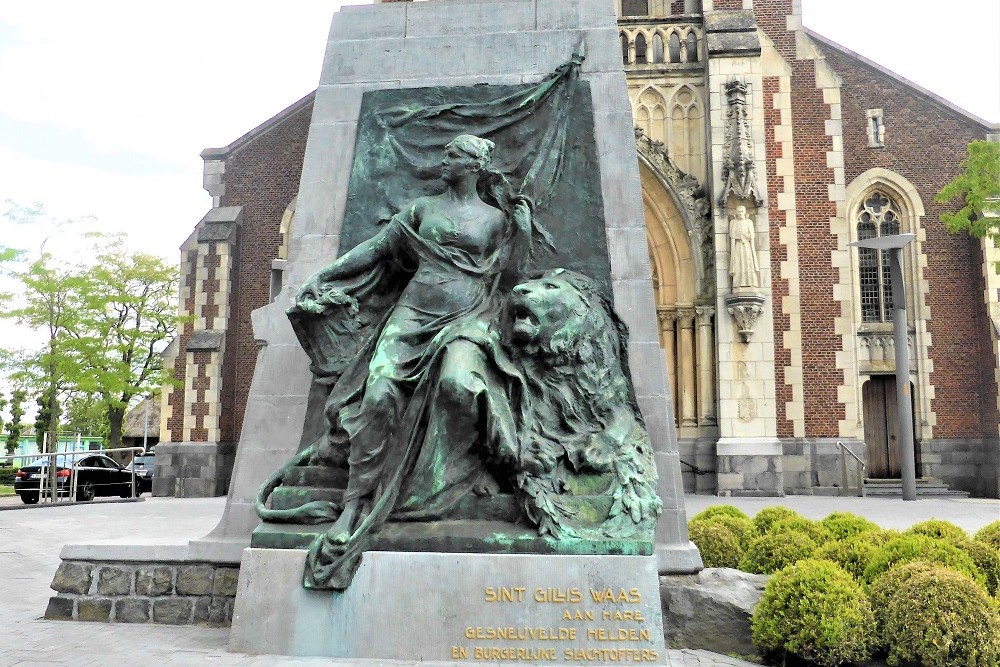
460	403
462	396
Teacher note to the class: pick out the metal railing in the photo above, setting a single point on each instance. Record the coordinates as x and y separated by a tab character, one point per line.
48	486
845	489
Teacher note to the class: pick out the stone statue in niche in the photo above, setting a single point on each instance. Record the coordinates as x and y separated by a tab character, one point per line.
743	265
457	373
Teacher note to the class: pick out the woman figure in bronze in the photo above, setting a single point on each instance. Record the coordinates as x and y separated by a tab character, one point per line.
417	408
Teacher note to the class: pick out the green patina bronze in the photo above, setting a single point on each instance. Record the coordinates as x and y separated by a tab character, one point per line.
465	404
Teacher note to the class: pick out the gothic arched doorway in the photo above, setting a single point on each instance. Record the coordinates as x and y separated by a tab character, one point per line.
681	268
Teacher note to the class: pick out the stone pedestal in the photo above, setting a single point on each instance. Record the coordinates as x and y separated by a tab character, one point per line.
412	606
427	44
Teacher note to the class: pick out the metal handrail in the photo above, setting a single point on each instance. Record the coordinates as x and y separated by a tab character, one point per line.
862	466
52	492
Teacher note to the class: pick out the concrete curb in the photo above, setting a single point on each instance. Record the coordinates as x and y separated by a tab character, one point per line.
40	505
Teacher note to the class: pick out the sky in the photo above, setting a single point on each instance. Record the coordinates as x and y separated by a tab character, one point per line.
106	105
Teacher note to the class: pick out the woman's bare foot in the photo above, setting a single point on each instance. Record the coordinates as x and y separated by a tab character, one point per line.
340	532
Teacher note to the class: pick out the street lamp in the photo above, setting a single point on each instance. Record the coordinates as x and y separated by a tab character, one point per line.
893	245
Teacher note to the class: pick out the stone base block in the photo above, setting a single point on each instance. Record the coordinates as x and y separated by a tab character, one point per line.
750	467
112	584
193	469
459	607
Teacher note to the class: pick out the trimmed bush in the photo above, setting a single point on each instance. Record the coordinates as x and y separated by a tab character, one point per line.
773	551
816	611
990	534
717	544
939	618
844	524
908	548
769	515
853	554
814	529
887	585
939	530
7	476
720	510
987	560
743	529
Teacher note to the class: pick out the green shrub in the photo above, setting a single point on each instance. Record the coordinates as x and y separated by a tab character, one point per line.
769	515
987	560
816	611
886	586
717	544
908	548
844	524
720	510
939	530
798	524
743	529
853	554
773	551
939	618
7	476
990	534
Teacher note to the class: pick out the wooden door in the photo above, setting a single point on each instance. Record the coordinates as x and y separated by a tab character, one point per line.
882	427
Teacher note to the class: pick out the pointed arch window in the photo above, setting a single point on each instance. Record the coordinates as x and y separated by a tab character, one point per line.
879	216
640	49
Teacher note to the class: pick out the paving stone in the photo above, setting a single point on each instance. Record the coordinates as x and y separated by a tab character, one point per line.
94	609
153	581
59	609
132	610
226	579
172	611
73	578
195	580
114	581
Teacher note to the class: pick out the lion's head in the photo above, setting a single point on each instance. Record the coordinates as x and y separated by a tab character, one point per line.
581	434
563	321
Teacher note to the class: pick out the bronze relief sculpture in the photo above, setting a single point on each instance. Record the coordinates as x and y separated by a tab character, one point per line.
453	371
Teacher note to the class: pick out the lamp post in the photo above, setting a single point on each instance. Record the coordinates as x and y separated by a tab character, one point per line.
893	245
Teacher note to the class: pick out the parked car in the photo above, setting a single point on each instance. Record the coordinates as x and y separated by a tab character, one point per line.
96	475
144	465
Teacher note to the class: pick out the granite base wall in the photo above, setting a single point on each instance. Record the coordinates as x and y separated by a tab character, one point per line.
700	453
814	463
153	592
971	465
193	469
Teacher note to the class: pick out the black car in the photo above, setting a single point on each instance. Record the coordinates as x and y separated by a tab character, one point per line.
96	475
144	465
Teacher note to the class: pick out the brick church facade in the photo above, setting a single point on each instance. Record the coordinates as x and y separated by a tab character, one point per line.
773	376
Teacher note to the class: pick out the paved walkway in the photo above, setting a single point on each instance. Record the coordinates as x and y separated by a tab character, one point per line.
30	542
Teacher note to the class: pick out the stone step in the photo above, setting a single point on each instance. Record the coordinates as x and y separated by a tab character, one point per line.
316	476
927	487
450	536
501	507
290	497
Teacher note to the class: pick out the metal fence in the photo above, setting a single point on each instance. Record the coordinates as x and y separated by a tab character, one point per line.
48	485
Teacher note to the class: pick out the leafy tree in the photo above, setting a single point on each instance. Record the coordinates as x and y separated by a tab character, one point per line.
979	187
49	304
16	414
47	421
86	414
127	315
105	323
3	404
